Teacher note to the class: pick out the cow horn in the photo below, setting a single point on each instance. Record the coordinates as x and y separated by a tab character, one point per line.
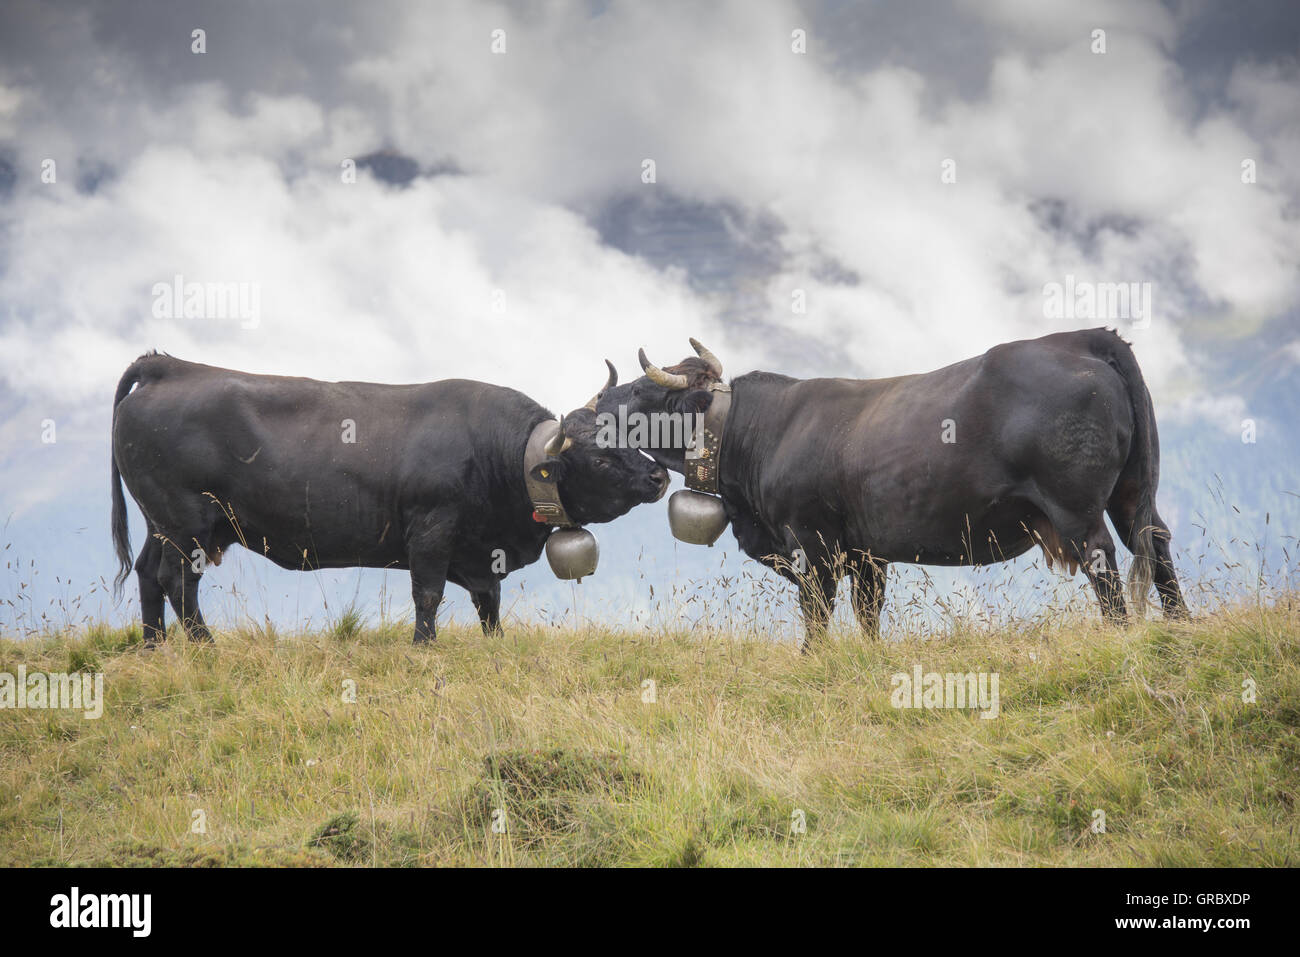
669	380
710	360
559	442
609	384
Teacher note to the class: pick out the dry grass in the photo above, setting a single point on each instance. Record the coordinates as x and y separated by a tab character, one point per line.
546	730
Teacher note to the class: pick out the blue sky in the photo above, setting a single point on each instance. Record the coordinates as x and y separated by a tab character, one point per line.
516	178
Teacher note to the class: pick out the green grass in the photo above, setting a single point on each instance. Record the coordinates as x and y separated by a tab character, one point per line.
537	748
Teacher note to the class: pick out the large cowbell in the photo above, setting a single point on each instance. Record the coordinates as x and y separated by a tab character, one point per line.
696	518
572	552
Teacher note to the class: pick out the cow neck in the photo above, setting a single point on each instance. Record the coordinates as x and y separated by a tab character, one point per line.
739	486
548	510
702	468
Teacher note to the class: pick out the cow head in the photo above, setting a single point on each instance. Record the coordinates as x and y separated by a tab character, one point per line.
683	389
597	483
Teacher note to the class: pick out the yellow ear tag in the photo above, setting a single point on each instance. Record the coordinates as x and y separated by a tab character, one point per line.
545	474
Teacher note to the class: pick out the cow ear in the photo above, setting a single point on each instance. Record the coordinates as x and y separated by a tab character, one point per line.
697	401
547	471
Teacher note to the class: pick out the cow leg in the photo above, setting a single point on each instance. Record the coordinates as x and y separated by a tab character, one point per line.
429	549
1123	512
428	582
152	596
1166	580
426	592
868	578
180	581
816	601
1096	553
488	604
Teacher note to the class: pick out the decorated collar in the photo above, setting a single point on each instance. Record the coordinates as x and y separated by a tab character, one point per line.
545	496
703	457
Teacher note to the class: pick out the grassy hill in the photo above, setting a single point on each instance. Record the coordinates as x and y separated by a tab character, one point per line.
750	754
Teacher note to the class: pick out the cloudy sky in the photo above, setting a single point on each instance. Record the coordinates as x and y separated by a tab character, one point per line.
911	174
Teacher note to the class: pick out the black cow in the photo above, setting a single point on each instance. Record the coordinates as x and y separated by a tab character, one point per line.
1030	444
315	474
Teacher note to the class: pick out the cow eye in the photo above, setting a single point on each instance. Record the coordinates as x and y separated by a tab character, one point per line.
602	463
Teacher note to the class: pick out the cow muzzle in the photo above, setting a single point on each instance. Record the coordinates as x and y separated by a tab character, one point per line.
660	480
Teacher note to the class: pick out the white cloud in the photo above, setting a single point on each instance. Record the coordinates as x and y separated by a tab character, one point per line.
848	161
1223	413
358	280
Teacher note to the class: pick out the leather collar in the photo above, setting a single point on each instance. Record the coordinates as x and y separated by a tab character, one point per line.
545	496
703	463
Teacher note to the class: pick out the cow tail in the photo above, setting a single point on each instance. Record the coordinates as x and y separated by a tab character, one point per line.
1144	456
121	532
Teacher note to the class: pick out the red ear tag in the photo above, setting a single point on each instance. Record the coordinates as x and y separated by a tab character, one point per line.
537	518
